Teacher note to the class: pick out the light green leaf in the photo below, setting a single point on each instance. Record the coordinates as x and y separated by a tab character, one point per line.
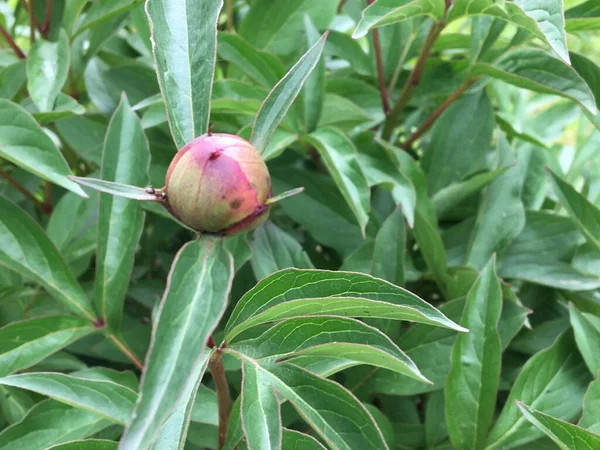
537	71
126	159
25	144
583	17
195	299
87	444
340	157
587	336
104	10
294	292
26	249
390	249
282	96
294	440
14	403
313	91
552	381
591	408
106	398
184	41
25	343
387	12
472	383
12	78
47	70
116	189
566	435
260	414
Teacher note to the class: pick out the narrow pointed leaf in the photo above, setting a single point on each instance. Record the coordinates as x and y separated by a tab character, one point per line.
25	144
472	384
25	343
26	249
117	189
194	301
587	336
126	159
566	435
284	195
184	42
87	444
390	249
313	91
283	95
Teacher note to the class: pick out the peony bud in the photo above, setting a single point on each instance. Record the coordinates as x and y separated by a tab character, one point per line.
218	184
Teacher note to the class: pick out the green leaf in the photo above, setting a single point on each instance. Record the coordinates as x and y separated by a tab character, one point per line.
566	435
340	157
104	10
501	215
15	403
282	96
583	17
294	440
431	245
184	41
537	71
390	249
47	70
12	78
50	423
294	292
273	250
88	444
387	12
25	343
116	189
587	335
25	248
474	377
126	159
582	211
106	398
552	381
591	408
25	144
329	337
313	91
261	418
195	299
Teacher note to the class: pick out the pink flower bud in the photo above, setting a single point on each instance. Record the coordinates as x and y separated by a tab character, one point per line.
218	183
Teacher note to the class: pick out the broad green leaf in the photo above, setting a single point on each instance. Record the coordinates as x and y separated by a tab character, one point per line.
84	136
447	198
282	96
552	381
583	17
585	214
344	47
340	157
544	19
587	336
184	41
566	435
12	78
195	299
537	71
14	403
25	343
294	440
591	408
465	128
294	292
47	70
501	214
26	249
104	10
116	189
387	12
261	418
50	423
106	398
390	249
87	444
273	249
25	144
126	160
329	337
64	107
472	383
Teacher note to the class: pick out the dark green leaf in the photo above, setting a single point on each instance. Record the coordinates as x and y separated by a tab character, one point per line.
87	444
390	249
587	335
12	78
583	17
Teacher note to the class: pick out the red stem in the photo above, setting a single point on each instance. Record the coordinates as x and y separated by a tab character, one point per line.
8	38
46	27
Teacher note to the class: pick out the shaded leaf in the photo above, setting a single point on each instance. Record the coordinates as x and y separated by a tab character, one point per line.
587	336
390	248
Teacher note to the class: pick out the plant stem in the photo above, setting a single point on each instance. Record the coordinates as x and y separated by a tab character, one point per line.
380	73
46	27
121	345
48	206
23	190
438	112
413	80
229	9
10	41
31	21
217	370
341	6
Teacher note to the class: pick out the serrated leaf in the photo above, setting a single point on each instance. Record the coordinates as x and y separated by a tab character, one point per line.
184	42
27	342
47	70
472	383
282	96
294	292
25	144
340	156
126	160
26	249
566	435
197	291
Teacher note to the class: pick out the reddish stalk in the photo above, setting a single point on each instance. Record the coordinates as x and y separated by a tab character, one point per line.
125	350
45	30
23	190
380	73
11	42
217	370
